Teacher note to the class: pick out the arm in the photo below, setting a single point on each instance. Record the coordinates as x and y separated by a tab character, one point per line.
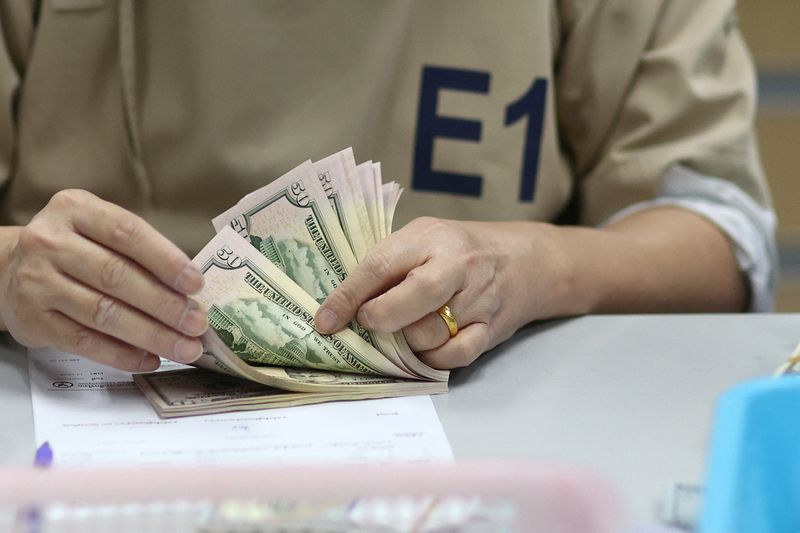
498	276
658	260
687	101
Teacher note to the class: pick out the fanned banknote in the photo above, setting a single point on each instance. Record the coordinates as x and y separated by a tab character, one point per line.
291	222
279	252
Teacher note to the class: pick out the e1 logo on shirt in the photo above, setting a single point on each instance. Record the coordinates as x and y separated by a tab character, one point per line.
431	125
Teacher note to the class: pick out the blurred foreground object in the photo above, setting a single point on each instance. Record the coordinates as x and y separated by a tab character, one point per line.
753	480
496	497
791	364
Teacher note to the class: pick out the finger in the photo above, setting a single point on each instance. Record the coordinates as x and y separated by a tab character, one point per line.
427	333
461	350
114	318
113	274
431	331
424	290
128	234
71	337
385	265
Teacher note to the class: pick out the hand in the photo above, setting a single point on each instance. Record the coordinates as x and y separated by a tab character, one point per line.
498	276
407	277
88	277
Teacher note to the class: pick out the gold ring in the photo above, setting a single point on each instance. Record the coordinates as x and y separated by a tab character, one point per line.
449	319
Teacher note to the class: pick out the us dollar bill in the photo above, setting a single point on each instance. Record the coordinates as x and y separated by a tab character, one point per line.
197	391
291	222
257	314
391	195
338	177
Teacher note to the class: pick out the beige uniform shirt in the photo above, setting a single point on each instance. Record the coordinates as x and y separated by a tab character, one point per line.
518	109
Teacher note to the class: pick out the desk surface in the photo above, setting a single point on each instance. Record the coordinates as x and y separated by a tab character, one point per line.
630	397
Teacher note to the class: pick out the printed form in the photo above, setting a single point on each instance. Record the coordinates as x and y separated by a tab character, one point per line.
93	415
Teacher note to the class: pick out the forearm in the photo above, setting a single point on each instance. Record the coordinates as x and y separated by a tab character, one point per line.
659	260
8	239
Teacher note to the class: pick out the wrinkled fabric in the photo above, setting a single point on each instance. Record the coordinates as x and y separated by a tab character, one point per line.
177	109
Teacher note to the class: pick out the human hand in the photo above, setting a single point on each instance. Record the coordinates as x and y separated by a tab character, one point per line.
407	277
88	277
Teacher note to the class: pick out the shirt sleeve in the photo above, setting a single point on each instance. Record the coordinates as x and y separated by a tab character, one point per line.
674	122
16	36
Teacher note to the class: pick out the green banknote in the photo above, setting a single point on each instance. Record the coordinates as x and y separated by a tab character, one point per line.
261	316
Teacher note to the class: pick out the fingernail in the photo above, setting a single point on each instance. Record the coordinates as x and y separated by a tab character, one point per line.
326	320
190	280
194	320
187	350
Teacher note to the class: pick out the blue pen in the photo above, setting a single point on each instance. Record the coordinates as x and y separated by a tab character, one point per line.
44	456
42	459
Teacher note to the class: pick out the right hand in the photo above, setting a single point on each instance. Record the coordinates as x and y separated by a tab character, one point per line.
87	277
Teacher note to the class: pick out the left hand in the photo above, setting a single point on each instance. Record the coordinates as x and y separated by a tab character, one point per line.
407	277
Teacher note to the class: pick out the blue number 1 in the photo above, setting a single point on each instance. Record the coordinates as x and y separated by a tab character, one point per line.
531	104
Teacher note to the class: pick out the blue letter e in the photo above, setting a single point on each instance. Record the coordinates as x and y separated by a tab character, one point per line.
430	125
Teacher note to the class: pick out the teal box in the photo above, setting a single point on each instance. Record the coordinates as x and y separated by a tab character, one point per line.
753	477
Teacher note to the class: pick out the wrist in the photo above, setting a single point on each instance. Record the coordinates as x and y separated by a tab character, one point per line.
538	272
562	283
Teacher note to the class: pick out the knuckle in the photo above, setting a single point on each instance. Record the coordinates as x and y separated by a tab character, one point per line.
26	277
428	284
83	340
126	230
106	311
380	264
160	340
70	198
169	309
379	318
435	226
34	238
113	273
425	222
344	298
427	333
474	259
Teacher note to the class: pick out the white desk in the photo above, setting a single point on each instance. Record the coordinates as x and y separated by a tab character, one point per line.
628	396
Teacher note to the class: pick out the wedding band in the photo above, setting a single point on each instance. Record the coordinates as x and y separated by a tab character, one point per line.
449	320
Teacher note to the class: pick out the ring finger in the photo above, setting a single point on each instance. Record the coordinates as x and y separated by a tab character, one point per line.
431	331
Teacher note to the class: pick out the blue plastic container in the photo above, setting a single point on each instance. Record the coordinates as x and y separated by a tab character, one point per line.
753	478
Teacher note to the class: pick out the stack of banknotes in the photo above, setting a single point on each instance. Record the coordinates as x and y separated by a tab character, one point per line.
278	253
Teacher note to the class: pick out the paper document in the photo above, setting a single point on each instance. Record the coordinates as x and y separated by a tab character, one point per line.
94	415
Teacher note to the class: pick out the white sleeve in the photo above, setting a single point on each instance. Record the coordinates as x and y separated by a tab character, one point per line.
749	226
